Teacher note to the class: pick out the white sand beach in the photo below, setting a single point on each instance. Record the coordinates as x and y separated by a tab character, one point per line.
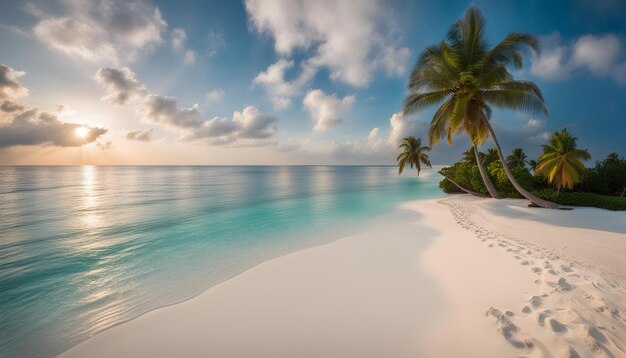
456	277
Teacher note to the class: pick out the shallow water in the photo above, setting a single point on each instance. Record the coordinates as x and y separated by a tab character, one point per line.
85	248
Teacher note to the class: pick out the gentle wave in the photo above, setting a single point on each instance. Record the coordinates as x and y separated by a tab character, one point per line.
86	248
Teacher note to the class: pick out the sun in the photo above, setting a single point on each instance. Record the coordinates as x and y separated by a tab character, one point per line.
82	132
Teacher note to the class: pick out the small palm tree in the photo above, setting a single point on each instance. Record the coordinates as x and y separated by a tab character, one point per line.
464	78
413	154
533	164
517	158
491	156
561	161
470	155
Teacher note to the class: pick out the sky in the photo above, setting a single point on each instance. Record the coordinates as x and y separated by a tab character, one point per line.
262	82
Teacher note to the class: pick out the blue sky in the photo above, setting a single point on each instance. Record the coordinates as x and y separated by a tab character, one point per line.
280	82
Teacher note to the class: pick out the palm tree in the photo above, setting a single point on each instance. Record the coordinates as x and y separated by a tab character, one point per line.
469	155
533	164
491	156
465	78
517	158
413	154
561	161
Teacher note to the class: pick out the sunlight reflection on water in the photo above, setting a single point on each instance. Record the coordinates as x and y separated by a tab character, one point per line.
85	248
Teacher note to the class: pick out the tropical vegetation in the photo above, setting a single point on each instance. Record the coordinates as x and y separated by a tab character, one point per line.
561	161
464	78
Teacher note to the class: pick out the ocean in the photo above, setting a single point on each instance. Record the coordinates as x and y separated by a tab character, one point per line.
83	248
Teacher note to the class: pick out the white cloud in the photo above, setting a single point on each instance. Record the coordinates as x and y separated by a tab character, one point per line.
273	79
324	109
249	125
601	55
110	31
190	57
373	134
401	126
166	110
534	124
178	38
9	86
121	85
139	135
216	95
350	38
280	103
597	53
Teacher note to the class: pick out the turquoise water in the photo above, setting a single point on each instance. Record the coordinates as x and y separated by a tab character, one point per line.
85	248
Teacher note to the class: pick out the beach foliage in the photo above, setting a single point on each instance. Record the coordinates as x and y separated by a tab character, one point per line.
561	162
608	177
463	77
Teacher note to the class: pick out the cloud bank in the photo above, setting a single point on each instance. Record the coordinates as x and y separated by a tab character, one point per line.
20	125
599	55
105	31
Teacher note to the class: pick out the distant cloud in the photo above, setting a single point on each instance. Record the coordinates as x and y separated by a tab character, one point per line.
20	125
109	31
600	55
139	135
9	86
216	95
34	127
245	125
190	57
373	134
401	126
280	89
216	42
121	85
10	106
350	38
166	110
105	146
178	38
324	109
248	127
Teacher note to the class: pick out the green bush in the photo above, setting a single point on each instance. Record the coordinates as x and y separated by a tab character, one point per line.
577	198
448	187
608	177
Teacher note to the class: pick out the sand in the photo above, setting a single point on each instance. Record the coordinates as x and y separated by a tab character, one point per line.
456	277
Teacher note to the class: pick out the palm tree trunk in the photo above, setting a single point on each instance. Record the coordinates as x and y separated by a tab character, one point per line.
624	191
483	174
525	193
469	191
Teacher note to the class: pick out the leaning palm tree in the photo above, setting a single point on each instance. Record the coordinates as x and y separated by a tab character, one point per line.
561	161
465	78
413	154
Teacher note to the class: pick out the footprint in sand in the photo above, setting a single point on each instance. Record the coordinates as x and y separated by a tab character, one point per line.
557	326
508	329
541	317
535	301
563	285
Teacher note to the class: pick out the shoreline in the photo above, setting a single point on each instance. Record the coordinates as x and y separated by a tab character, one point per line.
419	283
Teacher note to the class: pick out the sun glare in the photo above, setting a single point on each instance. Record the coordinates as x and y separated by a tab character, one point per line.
82	132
